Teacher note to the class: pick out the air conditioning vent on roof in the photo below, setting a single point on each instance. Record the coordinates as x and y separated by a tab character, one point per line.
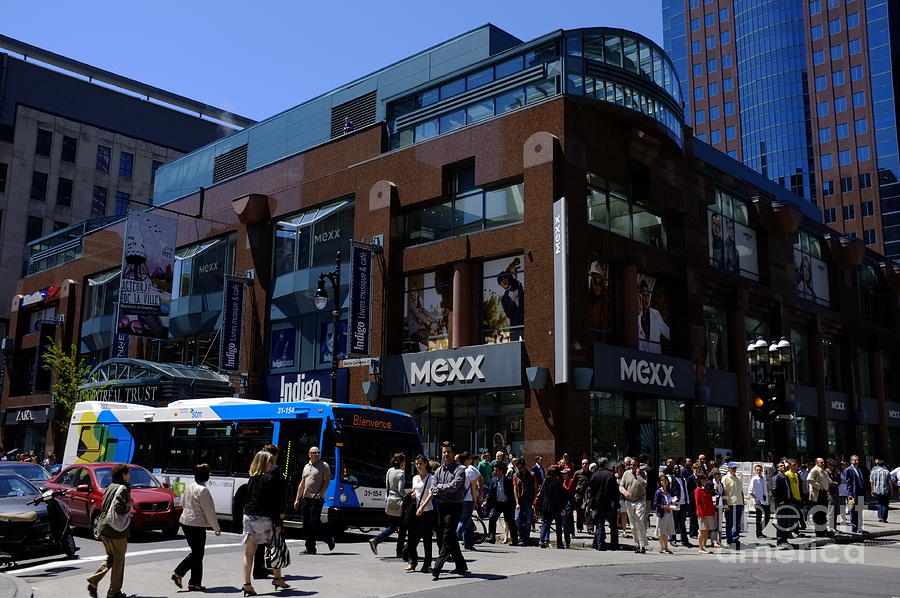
361	111
229	164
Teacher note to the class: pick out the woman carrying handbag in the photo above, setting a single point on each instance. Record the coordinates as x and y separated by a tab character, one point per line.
263	517
395	483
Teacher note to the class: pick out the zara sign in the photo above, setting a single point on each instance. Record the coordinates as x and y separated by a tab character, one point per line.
466	368
618	368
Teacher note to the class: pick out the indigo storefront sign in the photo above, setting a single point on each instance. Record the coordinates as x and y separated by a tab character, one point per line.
232	317
359	331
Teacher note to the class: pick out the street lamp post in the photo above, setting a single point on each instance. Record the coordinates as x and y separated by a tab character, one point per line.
321	300
767	363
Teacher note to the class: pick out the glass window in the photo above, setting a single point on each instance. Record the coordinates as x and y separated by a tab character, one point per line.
695	24
843	130
697	70
729	108
612	52
69	149
859	99
821	82
852	20
709	19
711	42
126	164
714	88
34	229
715	136
834	26
732	243
699	116
822	108
800	357
448	90
480	78
64	192
815	7
696	47
103	154
846	184
713	112
855	46
44	143
312	237
38	186
844	157
837	78
698	93
726	61
504	69
829	215
505	205
827	161
610	208
837	52
840	104
867	208
817	32
723	14
869	236
828	186
428	305
729	132
479	111
819	57
862	153
509	101
856	72
630	54
122	200
865	180
714	321
731	154
725	37
832	355
849	212
711	65
727	84
825	135
541	90
452	121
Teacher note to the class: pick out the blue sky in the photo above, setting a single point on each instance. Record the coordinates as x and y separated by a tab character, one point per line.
257	58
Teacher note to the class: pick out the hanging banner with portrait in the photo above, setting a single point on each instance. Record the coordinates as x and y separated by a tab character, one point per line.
326	341
599	300
148	259
427	305
503	299
811	278
654	312
732	246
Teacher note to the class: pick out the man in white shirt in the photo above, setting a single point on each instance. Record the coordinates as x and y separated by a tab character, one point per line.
651	326
759	490
465	530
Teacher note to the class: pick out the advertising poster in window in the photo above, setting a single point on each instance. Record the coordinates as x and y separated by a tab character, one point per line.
326	341
147	265
598	303
428	301
284	348
811	278
654	305
503	299
732	246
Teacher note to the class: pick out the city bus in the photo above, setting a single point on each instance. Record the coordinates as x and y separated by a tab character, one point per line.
356	441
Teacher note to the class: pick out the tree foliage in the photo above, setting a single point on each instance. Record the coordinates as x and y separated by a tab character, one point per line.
69	373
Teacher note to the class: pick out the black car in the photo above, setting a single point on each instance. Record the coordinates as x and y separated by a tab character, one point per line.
32	472
23	527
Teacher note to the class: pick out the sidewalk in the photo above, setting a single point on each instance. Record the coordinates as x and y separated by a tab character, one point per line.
871	529
13	587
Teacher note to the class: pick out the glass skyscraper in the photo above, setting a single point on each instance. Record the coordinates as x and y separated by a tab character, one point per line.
801	91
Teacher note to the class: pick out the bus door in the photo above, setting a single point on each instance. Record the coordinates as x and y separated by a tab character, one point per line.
295	438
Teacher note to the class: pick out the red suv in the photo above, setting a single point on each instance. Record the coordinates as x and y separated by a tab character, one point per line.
155	507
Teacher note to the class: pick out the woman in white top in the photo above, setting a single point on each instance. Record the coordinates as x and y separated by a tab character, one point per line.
421	525
199	513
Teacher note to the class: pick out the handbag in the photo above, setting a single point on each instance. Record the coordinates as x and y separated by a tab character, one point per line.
118	521
277	554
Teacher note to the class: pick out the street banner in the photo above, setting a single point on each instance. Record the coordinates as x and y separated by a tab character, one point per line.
120	345
148	259
561	291
360	328
232	318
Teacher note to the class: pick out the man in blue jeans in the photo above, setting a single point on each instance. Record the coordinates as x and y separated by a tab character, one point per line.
465	531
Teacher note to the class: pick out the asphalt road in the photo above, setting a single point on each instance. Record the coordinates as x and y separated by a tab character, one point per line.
870	570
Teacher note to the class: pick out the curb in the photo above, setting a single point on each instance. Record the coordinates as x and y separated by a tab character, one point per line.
17	587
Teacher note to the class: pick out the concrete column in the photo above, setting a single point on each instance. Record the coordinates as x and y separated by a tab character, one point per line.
461	320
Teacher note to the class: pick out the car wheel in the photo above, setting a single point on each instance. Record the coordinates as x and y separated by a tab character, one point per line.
95	530
170	533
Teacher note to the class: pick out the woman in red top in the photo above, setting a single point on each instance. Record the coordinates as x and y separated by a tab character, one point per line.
569	515
706	511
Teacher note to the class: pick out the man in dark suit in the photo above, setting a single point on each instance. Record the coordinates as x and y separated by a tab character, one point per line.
787	515
679	487
604	503
500	500
856	492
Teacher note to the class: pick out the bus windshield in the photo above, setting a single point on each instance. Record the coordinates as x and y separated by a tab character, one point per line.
366	455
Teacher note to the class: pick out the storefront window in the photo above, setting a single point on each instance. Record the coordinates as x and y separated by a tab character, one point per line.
810	269
800	357
716	337
872	292
503	300
101	294
718	427
801	430
200	269
312	238
732	243
609	421
837	438
198	349
862	372
671	429
610	208
866	438
831	353
428	304
756	328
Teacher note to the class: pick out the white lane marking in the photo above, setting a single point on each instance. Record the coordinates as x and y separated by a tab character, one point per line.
102	557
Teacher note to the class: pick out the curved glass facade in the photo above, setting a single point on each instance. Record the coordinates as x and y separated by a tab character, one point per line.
771	55
609	65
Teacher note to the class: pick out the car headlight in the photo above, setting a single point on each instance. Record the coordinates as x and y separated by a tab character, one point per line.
177	501
343	497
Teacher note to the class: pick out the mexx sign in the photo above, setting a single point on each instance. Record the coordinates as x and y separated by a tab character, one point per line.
618	368
442	371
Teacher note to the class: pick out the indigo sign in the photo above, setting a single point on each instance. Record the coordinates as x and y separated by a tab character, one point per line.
232	317
359	331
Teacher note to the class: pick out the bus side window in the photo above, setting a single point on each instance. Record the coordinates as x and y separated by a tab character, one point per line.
182	447
145	439
251	437
215	446
90	443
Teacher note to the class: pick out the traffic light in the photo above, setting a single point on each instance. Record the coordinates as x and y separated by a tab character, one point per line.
763	401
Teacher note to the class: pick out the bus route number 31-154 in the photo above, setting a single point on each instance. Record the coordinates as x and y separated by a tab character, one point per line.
285	411
376	493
